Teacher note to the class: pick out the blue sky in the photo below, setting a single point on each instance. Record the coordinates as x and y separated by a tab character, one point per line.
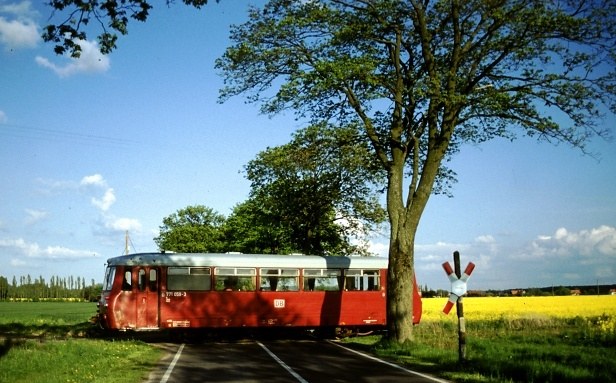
92	148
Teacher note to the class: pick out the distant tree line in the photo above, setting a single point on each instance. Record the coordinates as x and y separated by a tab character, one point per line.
26	288
427	292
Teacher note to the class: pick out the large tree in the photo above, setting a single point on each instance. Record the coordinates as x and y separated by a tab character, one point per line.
315	195
192	229
250	229
424	77
321	186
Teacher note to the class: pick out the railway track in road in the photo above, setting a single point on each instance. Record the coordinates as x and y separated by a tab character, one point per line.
274	361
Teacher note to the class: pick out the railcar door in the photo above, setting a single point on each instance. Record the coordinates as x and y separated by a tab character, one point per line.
147	297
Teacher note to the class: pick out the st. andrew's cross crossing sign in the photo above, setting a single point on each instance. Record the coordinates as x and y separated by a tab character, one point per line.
458	285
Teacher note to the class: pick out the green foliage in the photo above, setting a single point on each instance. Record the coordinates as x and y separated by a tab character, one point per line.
251	230
462	71
112	17
193	229
318	191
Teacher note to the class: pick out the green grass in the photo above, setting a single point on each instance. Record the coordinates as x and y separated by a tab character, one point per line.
31	313
45	319
54	342
542	350
77	360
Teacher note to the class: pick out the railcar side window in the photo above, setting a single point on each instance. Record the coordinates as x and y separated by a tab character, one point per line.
279	280
189	278
322	280
361	280
235	278
127	283
109	277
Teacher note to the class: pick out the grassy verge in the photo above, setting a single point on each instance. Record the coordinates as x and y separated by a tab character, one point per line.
45	319
52	342
503	350
76	360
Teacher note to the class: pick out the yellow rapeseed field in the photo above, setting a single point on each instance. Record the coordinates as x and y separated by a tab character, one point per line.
539	339
597	312
484	308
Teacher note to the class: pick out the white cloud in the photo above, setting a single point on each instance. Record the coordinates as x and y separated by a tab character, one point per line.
3	118
90	185
50	186
21	9
35	216
111	230
20	249
91	60
123	224
18	33
593	243
17	27
16	262
488	239
95	179
561	258
106	201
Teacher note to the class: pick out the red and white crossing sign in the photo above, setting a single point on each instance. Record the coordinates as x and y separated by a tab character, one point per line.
458	285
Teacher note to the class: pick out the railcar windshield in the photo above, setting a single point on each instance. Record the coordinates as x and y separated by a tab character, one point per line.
189	278
109	277
322	280
279	280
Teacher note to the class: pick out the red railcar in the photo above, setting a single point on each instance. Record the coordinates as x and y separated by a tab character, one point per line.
156	291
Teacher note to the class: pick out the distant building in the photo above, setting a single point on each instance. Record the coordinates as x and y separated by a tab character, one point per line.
576	292
518	293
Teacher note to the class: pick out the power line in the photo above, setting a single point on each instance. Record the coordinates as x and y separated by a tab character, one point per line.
28	132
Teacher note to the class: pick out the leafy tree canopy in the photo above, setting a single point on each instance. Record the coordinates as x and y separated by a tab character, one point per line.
251	230
111	16
193	229
322	186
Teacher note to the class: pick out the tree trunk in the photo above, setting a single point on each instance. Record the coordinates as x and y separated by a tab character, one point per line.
403	226
400	285
404	221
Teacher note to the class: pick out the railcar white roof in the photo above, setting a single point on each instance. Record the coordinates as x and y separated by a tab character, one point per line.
249	260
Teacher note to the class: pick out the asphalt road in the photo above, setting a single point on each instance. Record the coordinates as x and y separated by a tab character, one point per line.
276	361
